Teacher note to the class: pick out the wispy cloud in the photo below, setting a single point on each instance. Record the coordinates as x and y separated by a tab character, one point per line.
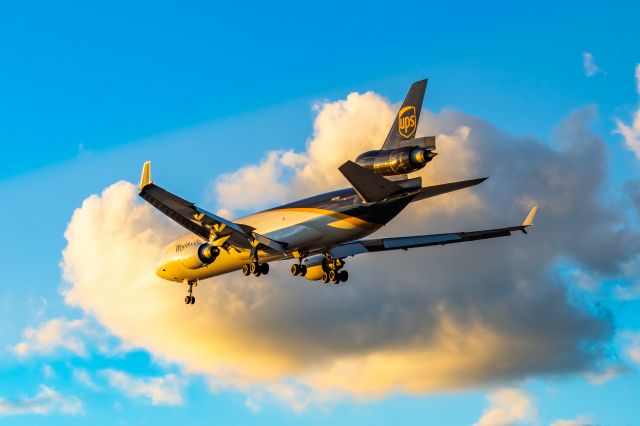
44	402
578	421
633	347
48	372
82	376
162	390
589	64
631	132
605	375
57	333
508	406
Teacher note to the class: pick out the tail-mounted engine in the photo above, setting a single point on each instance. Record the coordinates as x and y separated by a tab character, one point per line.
399	161
197	256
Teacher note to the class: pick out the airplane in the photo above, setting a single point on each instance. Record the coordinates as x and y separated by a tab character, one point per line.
320	232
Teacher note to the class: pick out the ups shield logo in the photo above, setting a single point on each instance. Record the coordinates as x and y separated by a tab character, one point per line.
407	121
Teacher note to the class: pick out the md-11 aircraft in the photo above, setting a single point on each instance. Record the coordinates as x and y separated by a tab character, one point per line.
319	232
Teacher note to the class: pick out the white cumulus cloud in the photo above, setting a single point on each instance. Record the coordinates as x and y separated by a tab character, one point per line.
411	322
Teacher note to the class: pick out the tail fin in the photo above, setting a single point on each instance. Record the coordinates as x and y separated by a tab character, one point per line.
406	122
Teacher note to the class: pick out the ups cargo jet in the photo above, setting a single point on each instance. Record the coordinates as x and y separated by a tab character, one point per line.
320	232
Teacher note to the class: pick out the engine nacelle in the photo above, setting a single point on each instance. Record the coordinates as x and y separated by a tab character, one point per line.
316	265
197	256
399	161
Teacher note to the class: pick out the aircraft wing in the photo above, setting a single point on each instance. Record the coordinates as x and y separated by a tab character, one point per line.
207	225
405	243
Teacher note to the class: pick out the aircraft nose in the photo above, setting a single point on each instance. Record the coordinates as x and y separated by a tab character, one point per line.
161	270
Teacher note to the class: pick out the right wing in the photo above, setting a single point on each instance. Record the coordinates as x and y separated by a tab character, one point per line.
405	243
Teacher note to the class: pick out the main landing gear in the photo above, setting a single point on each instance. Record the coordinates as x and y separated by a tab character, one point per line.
331	270
256	268
298	269
189	299
335	276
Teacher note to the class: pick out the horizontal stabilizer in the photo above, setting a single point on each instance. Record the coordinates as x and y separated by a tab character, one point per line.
426	142
432	191
370	186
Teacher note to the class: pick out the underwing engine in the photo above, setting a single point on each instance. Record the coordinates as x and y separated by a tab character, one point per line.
197	256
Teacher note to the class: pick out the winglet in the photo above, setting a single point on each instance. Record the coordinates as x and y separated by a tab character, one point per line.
145	178
528	221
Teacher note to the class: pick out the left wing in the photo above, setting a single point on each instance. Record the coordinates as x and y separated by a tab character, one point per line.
213	228
404	243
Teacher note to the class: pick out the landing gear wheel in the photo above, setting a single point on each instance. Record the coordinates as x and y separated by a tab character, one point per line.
246	270
334	276
264	268
253	267
187	299
296	270
193	300
303	270
344	276
325	277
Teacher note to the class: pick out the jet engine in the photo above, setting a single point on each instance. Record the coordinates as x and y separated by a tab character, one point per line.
398	161
400	158
197	256
316	265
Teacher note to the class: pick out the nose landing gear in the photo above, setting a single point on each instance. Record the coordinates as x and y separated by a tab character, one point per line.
189	299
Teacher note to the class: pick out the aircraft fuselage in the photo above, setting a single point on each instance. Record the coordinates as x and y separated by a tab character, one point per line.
304	226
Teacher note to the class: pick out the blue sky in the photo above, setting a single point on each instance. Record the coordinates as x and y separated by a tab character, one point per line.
90	91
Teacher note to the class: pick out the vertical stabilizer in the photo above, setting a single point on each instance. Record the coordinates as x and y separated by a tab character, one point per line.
406	122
